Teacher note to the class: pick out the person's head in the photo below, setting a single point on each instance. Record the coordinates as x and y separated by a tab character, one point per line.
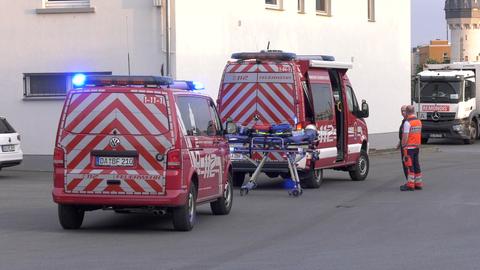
403	111
410	110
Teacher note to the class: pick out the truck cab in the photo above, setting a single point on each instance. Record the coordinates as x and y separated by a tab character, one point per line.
445	99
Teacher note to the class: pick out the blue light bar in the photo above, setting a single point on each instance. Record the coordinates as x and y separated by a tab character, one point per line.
187	85
78	80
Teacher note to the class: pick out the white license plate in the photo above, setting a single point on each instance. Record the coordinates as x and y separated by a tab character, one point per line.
114	161
236	156
8	148
436	135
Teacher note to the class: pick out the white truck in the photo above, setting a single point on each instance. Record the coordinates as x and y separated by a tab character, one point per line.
447	101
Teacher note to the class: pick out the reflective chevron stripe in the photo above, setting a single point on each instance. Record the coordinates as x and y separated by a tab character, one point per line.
142	127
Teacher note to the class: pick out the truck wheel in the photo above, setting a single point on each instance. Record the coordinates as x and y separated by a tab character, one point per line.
184	217
223	205
424	140
238	178
312	179
361	168
473	133
70	217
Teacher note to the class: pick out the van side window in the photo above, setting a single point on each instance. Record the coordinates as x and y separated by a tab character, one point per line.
322	101
309	113
351	100
215	127
5	126
194	114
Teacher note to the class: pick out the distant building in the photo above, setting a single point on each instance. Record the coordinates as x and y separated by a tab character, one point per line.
463	18
438	51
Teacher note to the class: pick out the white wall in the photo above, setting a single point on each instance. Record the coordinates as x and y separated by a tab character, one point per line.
207	32
32	43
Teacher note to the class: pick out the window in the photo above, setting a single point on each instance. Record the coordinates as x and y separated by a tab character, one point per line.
193	112
371	10
351	100
65	6
215	128
322	101
274	4
5	126
50	84
301	6
323	7
469	90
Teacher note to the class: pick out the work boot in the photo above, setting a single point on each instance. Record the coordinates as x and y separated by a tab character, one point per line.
407	187
419	185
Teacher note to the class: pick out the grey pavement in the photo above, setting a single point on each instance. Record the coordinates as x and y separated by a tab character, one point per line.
343	225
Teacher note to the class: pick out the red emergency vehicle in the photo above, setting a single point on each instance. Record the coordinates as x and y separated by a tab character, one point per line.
275	87
140	144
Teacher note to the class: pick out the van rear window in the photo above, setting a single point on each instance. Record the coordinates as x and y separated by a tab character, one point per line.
126	113
5	127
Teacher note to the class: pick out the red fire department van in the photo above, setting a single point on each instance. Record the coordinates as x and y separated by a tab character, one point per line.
140	144
274	87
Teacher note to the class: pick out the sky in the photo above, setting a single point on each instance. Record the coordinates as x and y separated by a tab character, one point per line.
428	21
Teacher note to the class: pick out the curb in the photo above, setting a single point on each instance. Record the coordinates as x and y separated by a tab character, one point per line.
378	152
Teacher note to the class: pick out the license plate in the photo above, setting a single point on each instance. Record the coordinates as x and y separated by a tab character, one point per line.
114	161
422	115
8	148
436	135
236	156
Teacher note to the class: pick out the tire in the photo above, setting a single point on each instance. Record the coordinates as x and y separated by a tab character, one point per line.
238	178
70	217
424	140
184	217
272	174
473	133
223	205
313	179
361	168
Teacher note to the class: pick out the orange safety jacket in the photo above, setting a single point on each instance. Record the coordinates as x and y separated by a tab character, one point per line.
415	134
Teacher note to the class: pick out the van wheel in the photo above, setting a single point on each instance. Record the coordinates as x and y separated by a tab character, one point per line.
238	178
312	179
184	217
361	168
223	205
70	217
473	133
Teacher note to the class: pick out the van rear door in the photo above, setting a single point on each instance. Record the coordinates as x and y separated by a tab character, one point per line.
115	142
258	93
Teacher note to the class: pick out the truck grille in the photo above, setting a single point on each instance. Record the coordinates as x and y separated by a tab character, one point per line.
442	116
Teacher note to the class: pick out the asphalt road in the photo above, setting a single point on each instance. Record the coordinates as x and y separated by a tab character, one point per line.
343	225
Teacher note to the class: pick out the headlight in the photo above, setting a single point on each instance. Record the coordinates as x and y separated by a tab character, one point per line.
457	127
232	149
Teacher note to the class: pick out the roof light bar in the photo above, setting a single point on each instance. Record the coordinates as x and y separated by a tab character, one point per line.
316	57
106	80
265	55
187	85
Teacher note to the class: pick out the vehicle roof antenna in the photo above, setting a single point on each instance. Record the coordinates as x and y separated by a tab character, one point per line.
268	46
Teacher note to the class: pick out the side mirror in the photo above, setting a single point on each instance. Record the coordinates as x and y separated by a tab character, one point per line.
365	111
231	128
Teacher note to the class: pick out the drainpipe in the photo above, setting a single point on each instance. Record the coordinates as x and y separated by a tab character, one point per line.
167	36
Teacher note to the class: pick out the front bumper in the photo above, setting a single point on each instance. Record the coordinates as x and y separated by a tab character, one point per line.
445	129
172	198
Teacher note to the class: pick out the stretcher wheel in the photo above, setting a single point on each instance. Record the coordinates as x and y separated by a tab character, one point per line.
295	192
243	191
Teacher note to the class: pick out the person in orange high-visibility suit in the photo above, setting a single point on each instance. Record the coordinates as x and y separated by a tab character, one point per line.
411	140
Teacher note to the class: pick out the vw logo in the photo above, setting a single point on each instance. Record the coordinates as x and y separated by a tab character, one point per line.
435	116
114	142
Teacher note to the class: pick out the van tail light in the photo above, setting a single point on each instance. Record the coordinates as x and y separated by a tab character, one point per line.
58	158
174	160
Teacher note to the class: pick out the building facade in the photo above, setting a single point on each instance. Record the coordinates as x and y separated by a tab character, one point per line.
48	41
463	19
438	51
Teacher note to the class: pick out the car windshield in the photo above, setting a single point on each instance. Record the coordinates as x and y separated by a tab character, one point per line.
440	92
5	127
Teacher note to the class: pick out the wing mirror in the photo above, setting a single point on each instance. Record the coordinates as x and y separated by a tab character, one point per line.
364	113
231	127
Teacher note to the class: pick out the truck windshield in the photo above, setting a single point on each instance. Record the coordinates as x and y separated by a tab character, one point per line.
440	92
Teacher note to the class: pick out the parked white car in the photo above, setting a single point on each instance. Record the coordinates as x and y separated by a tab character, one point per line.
10	151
